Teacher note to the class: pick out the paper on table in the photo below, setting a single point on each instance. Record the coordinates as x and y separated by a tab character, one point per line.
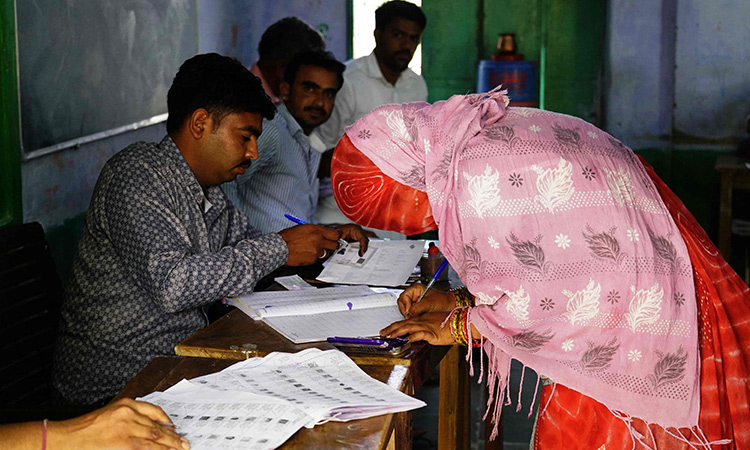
316	315
386	263
261	402
212	419
261	304
319	327
328	385
294	283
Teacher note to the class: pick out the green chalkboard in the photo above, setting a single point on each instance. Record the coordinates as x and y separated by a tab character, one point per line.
88	66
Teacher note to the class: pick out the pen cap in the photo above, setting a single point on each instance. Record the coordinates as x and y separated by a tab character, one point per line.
429	264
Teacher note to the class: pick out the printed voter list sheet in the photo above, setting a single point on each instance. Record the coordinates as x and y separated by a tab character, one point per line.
259	403
212	419
326	385
386	263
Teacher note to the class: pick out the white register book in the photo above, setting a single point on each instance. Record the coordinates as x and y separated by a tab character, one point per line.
317	314
261	402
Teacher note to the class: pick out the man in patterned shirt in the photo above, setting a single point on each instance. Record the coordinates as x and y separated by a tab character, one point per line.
161	241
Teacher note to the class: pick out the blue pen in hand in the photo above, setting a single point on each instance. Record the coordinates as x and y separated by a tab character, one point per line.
297	220
434	278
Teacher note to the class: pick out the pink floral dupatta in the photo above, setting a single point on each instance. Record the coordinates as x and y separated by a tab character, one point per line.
578	268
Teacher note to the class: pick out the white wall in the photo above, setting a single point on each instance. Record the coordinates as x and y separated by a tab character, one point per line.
58	187
712	77
677	67
327	16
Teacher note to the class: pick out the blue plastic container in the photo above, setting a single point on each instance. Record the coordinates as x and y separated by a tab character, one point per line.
518	77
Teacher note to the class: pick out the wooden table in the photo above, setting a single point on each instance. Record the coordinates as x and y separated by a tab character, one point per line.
236	336
373	433
735	174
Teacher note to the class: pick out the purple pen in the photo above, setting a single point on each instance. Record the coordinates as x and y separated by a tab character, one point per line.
376	341
358	340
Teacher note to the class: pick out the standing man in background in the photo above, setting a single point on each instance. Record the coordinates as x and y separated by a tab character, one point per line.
278	45
380	78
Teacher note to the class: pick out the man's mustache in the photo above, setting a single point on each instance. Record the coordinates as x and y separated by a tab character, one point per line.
315	108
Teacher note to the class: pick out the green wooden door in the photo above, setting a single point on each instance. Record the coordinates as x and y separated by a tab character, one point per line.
10	140
565	38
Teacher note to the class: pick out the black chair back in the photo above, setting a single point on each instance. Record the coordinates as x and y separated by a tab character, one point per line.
30	298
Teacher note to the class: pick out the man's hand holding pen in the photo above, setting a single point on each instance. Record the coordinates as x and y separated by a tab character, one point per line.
308	243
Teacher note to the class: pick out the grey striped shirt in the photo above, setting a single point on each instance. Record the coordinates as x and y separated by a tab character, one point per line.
284	179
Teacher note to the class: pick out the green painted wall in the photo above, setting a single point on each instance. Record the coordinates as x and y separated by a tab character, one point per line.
449	47
524	18
574	57
10	138
565	38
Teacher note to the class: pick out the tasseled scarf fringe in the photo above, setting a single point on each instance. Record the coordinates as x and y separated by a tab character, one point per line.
498	377
701	441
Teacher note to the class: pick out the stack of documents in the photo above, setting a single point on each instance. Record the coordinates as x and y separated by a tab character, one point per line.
312	315
261	402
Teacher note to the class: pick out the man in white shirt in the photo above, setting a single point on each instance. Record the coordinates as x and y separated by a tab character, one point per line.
380	78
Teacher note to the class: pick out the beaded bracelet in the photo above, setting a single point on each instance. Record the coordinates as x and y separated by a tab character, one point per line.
460	328
463	297
44	434
457	320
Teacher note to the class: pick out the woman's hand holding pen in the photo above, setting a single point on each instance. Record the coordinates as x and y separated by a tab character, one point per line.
433	301
425	327
424	317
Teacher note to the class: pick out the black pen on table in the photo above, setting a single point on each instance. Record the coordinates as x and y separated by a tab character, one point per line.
433	279
297	220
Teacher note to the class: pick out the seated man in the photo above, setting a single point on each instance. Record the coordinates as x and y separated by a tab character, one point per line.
161	242
284	180
278	45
